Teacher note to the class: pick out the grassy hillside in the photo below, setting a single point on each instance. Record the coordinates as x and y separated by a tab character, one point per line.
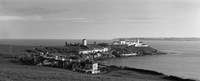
12	70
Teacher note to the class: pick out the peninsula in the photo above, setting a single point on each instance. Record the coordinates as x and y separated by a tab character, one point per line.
72	62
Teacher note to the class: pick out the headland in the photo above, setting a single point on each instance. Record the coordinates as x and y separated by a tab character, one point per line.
13	69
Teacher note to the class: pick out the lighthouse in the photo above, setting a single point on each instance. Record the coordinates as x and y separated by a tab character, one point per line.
84	42
138	40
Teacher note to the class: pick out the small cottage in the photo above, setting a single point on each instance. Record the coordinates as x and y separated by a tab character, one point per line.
87	66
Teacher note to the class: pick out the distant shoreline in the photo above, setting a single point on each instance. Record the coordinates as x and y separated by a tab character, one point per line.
60	42
129	38
163	38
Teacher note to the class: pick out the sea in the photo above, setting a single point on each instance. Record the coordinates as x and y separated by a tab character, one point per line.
182	58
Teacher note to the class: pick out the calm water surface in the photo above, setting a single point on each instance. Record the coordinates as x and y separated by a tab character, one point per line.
183	59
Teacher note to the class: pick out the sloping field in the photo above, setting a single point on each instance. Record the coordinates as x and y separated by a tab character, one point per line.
12	70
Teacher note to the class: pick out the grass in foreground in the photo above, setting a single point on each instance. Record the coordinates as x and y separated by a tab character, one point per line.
12	70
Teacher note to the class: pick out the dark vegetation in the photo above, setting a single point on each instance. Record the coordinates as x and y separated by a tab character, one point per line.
58	49
124	49
104	44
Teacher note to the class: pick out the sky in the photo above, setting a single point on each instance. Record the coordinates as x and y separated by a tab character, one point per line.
98	19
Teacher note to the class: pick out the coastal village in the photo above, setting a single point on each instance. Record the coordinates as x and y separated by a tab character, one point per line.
77	61
84	57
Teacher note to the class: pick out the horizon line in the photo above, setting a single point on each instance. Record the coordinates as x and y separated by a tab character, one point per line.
90	38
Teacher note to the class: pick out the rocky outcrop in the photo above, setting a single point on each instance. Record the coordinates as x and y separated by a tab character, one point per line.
117	50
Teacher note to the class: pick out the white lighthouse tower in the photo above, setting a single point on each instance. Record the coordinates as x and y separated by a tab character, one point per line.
138	41
84	42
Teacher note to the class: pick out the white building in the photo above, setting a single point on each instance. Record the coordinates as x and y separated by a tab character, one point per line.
130	43
85	51
84	42
90	48
140	44
123	42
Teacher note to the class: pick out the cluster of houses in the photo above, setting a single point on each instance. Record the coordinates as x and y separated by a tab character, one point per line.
93	52
130	43
83	60
88	51
89	66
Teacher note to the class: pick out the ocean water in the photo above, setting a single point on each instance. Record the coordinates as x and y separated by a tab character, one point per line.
183	58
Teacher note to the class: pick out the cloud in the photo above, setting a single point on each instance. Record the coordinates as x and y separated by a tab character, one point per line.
33	11
31	7
12	18
78	18
85	20
6	17
41	18
144	20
